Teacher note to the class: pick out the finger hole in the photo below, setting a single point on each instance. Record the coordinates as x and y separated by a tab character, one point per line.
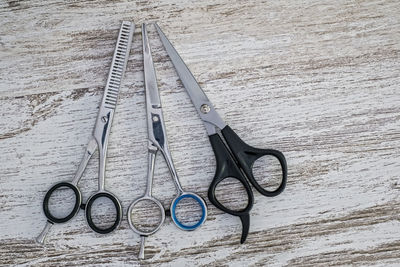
61	202
189	211
146	215
231	193
267	172
103	212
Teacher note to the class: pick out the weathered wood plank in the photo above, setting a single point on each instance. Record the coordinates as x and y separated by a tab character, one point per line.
317	80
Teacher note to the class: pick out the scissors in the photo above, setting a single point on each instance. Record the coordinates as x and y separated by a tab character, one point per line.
99	140
235	159
157	141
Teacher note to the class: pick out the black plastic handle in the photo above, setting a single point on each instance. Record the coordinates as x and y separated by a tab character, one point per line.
227	168
246	156
74	211
88	212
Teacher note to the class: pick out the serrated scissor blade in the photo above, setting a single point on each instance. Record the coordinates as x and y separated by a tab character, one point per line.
118	65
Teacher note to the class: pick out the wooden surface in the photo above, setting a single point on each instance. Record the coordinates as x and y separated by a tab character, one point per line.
318	80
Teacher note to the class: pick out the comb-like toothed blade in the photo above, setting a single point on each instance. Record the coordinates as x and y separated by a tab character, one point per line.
118	65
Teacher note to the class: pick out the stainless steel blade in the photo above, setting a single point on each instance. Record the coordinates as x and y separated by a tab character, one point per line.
150	78
107	108
199	99
118	65
195	92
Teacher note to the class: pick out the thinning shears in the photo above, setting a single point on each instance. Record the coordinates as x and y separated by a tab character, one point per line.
157	142
235	159
99	140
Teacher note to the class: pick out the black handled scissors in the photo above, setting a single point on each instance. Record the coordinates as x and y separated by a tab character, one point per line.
236	158
99	140
157	142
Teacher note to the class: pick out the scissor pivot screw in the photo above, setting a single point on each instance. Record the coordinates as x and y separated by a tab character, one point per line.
104	119
155	118
205	108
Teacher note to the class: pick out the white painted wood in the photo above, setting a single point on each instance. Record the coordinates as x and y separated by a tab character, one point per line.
318	80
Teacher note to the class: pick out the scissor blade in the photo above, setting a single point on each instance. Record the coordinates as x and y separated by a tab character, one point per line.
196	94
118	65
150	78
199	99
105	116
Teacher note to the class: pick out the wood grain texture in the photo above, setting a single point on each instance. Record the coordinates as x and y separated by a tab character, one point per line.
318	80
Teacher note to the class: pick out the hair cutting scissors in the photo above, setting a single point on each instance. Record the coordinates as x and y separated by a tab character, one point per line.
157	141
99	140
235	159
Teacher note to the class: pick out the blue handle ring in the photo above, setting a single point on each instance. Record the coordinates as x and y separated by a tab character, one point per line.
203	211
